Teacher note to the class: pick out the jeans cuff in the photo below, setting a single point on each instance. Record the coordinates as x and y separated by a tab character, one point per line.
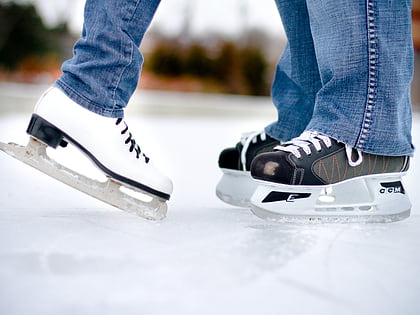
86	103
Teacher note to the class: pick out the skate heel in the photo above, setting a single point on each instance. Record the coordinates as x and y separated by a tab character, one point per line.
45	132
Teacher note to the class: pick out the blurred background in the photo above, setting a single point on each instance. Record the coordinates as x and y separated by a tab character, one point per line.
192	46
66	253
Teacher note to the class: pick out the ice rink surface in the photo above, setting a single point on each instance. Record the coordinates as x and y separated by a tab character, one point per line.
62	252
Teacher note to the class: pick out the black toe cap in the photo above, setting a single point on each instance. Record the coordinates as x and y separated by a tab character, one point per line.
272	167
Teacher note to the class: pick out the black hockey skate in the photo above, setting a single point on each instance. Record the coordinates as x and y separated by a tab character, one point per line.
236	185
318	178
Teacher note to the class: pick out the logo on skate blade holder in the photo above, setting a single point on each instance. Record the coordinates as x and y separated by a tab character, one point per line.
392	188
284	196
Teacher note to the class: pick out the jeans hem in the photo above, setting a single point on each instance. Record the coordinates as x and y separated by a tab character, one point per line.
407	150
86	103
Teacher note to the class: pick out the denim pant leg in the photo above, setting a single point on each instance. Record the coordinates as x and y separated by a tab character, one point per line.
105	68
365	57
364	54
296	79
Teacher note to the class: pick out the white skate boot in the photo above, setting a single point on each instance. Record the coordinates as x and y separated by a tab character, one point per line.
107	142
316	178
236	185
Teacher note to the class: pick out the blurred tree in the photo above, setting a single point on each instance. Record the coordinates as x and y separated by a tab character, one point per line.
166	60
253	67
22	34
227	68
218	64
197	62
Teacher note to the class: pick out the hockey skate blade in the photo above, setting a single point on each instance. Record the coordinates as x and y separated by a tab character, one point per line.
236	188
367	199
117	194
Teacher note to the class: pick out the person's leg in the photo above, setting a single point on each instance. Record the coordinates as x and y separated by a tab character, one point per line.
297	79
105	69
364	54
365	58
295	85
85	107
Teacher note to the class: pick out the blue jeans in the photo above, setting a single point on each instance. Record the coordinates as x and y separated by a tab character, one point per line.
346	71
105	68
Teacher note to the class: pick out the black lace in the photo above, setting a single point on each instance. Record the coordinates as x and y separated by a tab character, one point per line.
130	141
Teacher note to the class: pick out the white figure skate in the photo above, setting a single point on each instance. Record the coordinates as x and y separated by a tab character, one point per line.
133	184
315	178
236	185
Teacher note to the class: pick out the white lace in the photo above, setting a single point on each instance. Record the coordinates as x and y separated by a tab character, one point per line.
246	140
349	151
309	137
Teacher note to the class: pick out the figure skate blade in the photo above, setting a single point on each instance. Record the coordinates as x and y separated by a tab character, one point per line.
113	192
370	199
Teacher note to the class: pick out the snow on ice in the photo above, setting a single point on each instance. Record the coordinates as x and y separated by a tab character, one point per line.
62	252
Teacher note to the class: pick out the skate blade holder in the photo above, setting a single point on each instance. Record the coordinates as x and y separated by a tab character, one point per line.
235	187
112	192
372	198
